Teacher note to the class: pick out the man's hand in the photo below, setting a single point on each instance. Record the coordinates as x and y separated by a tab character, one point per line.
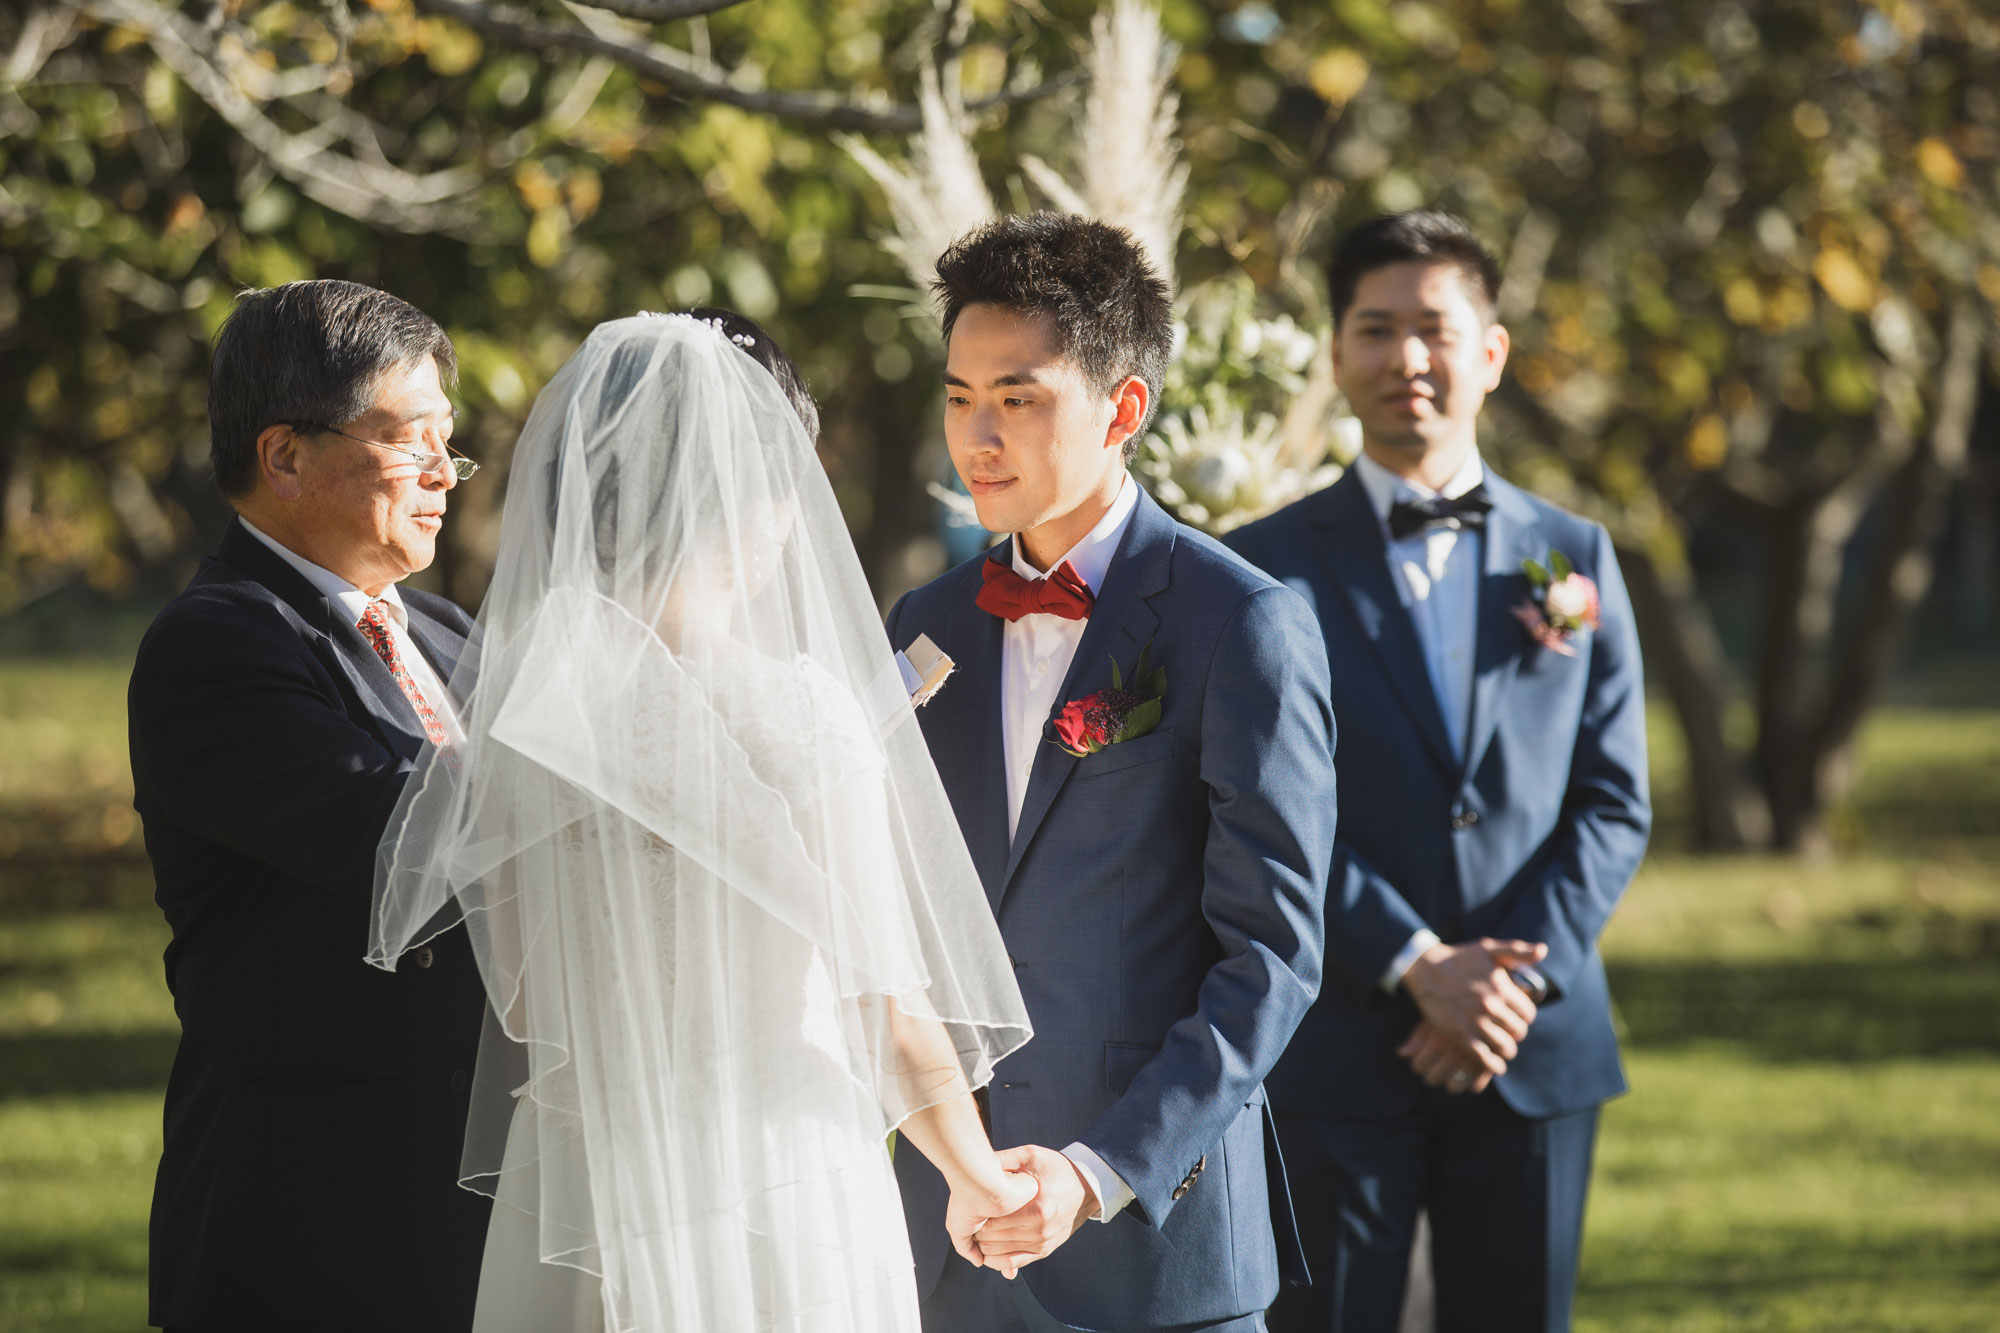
1440	1064
1063	1203
975	1205
1471	1005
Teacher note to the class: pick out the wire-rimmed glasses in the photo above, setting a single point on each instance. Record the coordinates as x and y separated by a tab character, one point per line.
461	466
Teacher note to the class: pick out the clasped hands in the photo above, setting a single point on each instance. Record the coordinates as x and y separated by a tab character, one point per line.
1032	1201
1474	1016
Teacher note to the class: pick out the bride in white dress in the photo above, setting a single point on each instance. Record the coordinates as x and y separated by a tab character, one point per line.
729	929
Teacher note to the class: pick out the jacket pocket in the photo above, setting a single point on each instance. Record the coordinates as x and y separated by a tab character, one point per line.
1148	749
1122	1063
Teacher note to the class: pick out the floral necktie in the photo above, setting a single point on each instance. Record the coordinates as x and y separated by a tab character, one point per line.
374	626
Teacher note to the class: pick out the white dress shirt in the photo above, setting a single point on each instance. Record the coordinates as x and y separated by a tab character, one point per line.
351	602
1436	574
1035	655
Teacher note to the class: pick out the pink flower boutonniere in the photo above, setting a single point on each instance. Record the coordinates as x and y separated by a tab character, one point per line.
1563	603
1087	725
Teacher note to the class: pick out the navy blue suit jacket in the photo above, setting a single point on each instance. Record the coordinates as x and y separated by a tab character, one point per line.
1162	902
316	1109
1533	835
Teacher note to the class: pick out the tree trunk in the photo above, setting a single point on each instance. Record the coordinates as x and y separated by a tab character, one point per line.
1684	655
1794	556
1902	562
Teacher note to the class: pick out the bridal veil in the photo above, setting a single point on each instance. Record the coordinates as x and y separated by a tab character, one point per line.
707	867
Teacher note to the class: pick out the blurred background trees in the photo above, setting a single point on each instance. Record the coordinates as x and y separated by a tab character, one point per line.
1752	253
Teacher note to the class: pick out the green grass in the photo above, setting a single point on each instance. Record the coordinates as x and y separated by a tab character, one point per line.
1812	1141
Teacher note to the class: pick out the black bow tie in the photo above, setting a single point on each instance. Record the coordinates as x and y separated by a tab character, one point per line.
1467	512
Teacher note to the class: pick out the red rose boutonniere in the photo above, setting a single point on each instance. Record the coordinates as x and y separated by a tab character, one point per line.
1087	725
1563	603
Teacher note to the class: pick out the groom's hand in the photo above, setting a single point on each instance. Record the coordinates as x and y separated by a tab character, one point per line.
1472	1005
974	1205
1063	1203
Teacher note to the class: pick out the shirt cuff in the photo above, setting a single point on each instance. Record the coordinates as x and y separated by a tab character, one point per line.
1419	944
1110	1190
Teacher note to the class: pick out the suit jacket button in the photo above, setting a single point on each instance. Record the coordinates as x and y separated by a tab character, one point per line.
1012	961
458	1081
1464	820
423	957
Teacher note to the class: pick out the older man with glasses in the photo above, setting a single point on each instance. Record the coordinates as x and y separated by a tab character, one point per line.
316	1108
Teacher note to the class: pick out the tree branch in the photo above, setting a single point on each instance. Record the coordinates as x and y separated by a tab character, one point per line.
700	81
368	192
662	11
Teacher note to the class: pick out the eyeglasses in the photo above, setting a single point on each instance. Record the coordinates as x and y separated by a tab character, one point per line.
461	466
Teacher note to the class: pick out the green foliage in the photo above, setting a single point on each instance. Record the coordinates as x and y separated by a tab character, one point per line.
130	212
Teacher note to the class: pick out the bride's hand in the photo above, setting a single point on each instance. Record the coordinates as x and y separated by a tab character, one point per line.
974	1203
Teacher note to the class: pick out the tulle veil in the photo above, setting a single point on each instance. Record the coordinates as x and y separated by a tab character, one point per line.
703	857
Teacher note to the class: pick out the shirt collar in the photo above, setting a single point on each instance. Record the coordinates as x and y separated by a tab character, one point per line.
1384	487
1091	557
351	600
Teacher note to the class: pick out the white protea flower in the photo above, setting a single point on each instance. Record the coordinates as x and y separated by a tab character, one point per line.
1218	470
938	195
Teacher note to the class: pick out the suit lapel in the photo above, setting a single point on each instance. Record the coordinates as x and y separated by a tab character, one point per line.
976	641
1359	562
379	693
442	646
1512	535
339	645
1120	624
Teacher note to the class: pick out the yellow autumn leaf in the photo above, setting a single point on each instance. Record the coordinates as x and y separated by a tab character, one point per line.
584	189
1339	74
538	188
1743	301
450	48
1844	280
1707	442
1989	283
548	236
1939	164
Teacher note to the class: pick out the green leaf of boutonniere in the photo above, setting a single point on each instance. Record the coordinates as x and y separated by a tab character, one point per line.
1559	566
1536	574
1140	720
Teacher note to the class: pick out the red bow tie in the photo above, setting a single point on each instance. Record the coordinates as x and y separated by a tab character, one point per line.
1063	593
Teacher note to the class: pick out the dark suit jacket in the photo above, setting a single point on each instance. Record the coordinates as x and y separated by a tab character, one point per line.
317	1105
1162	902
1533	835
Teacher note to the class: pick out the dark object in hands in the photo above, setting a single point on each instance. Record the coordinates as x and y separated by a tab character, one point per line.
1531	981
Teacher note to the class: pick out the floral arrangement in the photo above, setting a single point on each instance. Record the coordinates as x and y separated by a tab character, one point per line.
1249	419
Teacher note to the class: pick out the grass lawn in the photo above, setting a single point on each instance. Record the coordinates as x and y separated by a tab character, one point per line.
1812	1141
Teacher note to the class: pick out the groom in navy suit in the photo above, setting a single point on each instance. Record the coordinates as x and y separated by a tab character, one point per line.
1154	843
315	1115
1493	770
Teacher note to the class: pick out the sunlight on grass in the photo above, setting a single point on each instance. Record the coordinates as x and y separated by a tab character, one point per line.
1811	1143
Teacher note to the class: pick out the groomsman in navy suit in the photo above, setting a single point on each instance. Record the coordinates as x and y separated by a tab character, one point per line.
1493	783
1157	860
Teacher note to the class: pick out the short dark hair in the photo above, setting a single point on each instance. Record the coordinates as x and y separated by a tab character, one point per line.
1425	236
746	333
1112	313
307	352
